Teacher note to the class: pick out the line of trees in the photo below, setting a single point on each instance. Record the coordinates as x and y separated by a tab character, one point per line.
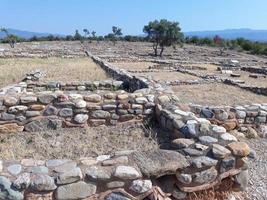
239	44
162	34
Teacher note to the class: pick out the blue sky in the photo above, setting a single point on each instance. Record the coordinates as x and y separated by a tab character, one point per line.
64	16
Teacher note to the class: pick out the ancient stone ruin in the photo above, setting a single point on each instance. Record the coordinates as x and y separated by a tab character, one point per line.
202	154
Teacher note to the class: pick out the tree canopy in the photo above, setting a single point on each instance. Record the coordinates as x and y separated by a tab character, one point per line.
163	33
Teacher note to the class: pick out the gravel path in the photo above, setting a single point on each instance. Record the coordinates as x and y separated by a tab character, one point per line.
257	189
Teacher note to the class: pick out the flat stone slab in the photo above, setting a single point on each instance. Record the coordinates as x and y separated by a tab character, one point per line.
159	162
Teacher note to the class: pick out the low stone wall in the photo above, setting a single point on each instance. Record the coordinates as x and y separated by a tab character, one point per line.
74	86
214	154
257	90
131	83
232	117
255	70
53	110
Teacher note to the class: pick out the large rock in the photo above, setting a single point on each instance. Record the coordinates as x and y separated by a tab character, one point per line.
159	162
219	151
50	110
28	99
10	101
126	172
141	186
66	112
182	143
240	149
81	118
100	114
116	196
95	98
71	176
205	176
47	98
11	128
43	123
7	117
79	190
204	161
99	173
7	192
42	182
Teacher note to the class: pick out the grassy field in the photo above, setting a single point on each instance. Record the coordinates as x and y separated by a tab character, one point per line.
57	69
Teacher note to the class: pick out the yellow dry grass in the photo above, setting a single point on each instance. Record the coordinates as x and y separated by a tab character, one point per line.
57	69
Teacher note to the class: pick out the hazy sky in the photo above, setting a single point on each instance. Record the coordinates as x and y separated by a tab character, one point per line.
64	16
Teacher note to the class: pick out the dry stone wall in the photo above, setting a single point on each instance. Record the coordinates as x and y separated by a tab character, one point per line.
201	156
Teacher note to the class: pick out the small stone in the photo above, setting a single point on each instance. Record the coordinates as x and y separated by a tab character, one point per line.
80	104
102	158
93	98
7	192
68	166
192	152
56	162
228	137
75	97
79	190
37	107
219	151
141	186
66	112
206	113
39	170
23	181
42	182
218	130
227	164
46	98
28	99
32	113
11	128
96	122
207	140
81	118
182	143
14	169
204	161
115	184
205	176
240	114
240	149
50	110
122	96
100	114
10	101
201	147
178	194
70	176
88	161
17	109
99	173
126	172
230	125
116	196
7	117
241	180
141	100
115	161
184	178
251	133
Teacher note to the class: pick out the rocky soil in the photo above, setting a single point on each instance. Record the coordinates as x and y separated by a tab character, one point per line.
257	189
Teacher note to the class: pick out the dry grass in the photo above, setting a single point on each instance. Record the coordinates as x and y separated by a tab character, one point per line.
75	143
216	94
134	65
168	76
57	69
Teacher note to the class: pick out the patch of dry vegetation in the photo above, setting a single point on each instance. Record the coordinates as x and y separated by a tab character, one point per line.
76	143
216	94
57	69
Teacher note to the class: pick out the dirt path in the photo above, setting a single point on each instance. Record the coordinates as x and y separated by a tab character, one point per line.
257	189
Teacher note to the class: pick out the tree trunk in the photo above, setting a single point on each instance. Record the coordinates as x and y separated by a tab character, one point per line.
155	47
161	51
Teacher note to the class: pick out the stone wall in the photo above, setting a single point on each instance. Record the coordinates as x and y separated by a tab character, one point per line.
53	110
201	155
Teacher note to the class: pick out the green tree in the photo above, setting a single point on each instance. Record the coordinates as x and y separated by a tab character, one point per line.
163	33
77	36
9	38
86	33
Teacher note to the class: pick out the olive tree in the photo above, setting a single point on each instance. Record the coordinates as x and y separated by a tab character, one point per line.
9	38
163	33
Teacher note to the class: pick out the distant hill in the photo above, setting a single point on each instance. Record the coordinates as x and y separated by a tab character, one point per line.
26	34
254	35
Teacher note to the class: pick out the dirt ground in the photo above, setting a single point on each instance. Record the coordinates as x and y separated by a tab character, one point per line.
56	68
216	94
76	143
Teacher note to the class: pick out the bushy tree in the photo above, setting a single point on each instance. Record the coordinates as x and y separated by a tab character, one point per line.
9	38
115	35
163	33
77	36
